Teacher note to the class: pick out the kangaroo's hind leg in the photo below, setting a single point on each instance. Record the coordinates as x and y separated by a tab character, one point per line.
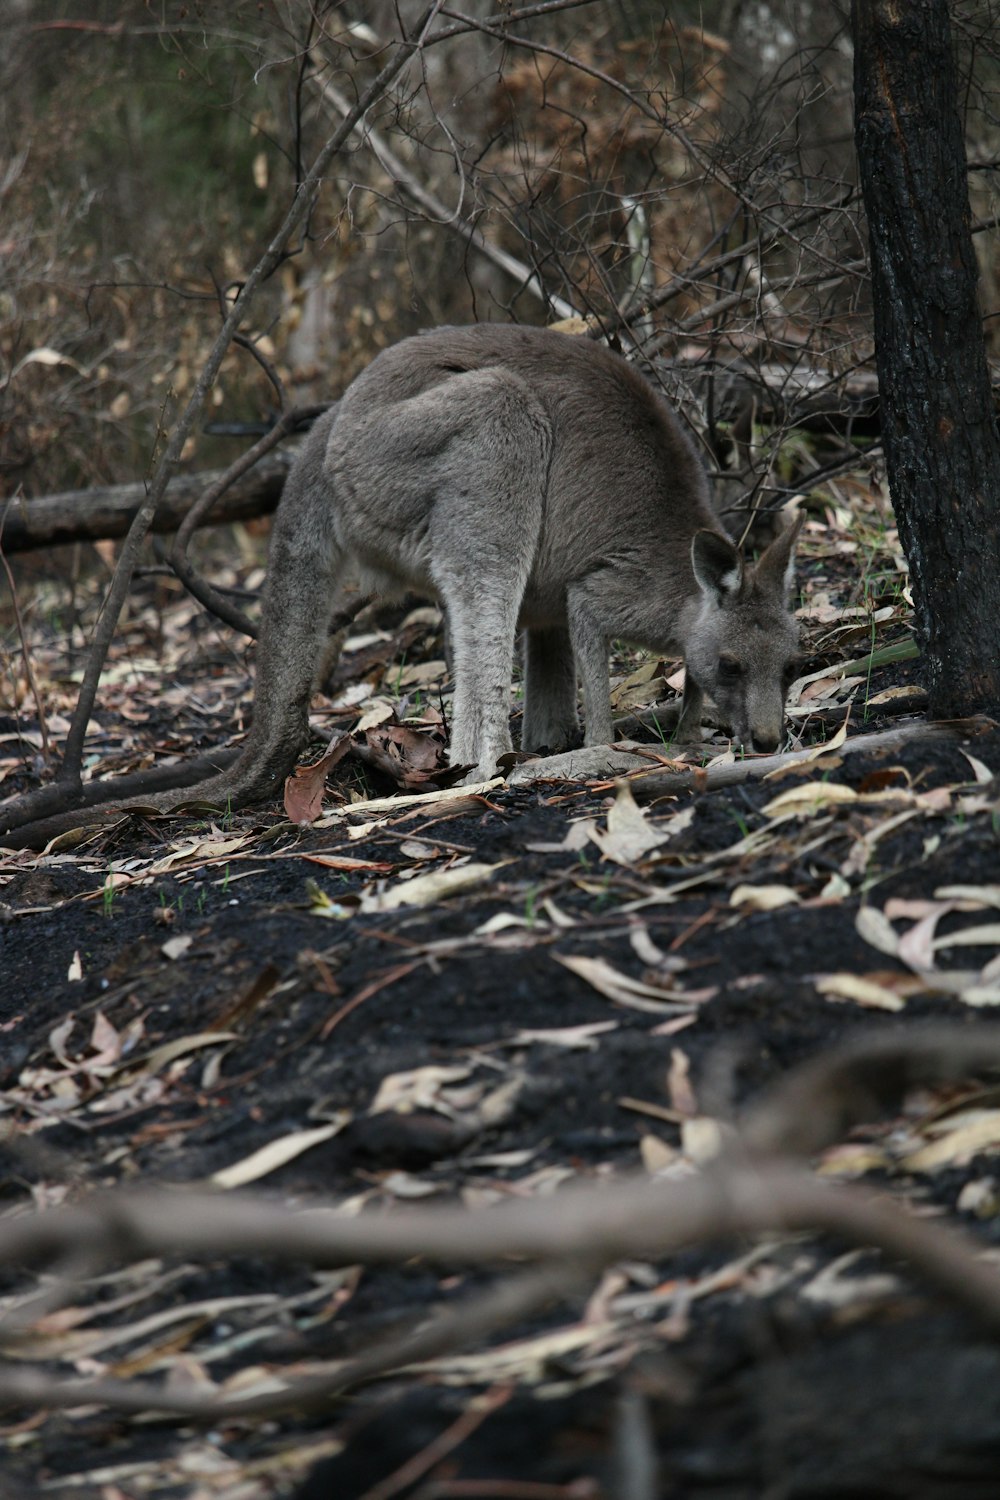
550	721
483	533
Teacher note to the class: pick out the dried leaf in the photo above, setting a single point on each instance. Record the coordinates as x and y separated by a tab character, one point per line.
980	994
416	1089
278	1153
981	772
437	885
176	947
862	991
982	895
345	862
679	1086
656	1155
916	947
405	1185
199	850
620	988
895	694
764	897
379	711
873	927
181	1046
46	356
629	836
809	797
306	787
578	836
987	935
575	1038
702	1138
963	1140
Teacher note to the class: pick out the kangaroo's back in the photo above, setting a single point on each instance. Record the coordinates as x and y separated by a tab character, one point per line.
622	480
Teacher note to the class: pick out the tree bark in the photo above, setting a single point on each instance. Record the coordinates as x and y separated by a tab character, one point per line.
90	515
939	426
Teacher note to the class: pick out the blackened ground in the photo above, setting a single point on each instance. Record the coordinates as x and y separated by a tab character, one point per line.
759	1388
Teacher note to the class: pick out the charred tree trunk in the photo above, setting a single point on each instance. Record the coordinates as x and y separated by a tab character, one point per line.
939	427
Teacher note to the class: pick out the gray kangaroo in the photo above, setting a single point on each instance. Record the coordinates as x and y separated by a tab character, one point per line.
528	479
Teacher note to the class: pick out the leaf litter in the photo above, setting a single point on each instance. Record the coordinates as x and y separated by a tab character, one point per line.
451	1034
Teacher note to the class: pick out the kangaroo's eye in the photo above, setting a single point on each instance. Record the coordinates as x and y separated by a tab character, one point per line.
729	668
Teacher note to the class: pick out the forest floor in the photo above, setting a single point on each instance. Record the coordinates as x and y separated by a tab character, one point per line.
487	998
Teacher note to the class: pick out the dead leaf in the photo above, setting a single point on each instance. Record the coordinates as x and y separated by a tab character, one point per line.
629	836
862	991
417	1089
656	1155
278	1153
964	1139
305	788
873	927
916	947
200	851
411	757
379	711
980	994
176	947
181	1046
575	1038
809	797
702	1138
982	895
577	837
896	694
436	885
764	897
679	1086
987	935
345	862
981	772
620	988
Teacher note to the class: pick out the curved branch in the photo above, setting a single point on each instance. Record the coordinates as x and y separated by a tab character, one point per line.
577	1233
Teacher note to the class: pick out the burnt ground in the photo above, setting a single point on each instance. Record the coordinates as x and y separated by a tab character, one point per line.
176	996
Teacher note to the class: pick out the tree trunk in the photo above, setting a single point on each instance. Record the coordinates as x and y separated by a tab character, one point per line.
939	427
90	515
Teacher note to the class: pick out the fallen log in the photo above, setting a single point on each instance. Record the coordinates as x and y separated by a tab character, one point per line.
96	514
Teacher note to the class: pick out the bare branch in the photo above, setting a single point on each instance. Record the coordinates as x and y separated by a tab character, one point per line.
528	280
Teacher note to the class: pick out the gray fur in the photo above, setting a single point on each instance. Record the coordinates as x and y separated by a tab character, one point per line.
525	479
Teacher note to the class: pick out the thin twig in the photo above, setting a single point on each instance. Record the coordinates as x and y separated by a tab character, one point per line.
35	804
202	590
527	278
43	726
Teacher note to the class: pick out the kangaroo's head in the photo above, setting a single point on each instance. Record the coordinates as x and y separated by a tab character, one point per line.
742	647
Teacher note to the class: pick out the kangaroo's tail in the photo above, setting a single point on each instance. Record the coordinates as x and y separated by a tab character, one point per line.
304	568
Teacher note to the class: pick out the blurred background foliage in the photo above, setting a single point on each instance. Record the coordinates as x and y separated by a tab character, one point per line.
690	167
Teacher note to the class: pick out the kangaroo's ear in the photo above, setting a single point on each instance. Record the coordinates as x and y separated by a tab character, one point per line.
776	568
717	565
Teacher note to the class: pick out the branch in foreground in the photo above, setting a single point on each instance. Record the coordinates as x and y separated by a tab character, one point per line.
579	1232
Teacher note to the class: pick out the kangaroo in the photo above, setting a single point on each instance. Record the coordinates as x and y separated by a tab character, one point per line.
525	479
